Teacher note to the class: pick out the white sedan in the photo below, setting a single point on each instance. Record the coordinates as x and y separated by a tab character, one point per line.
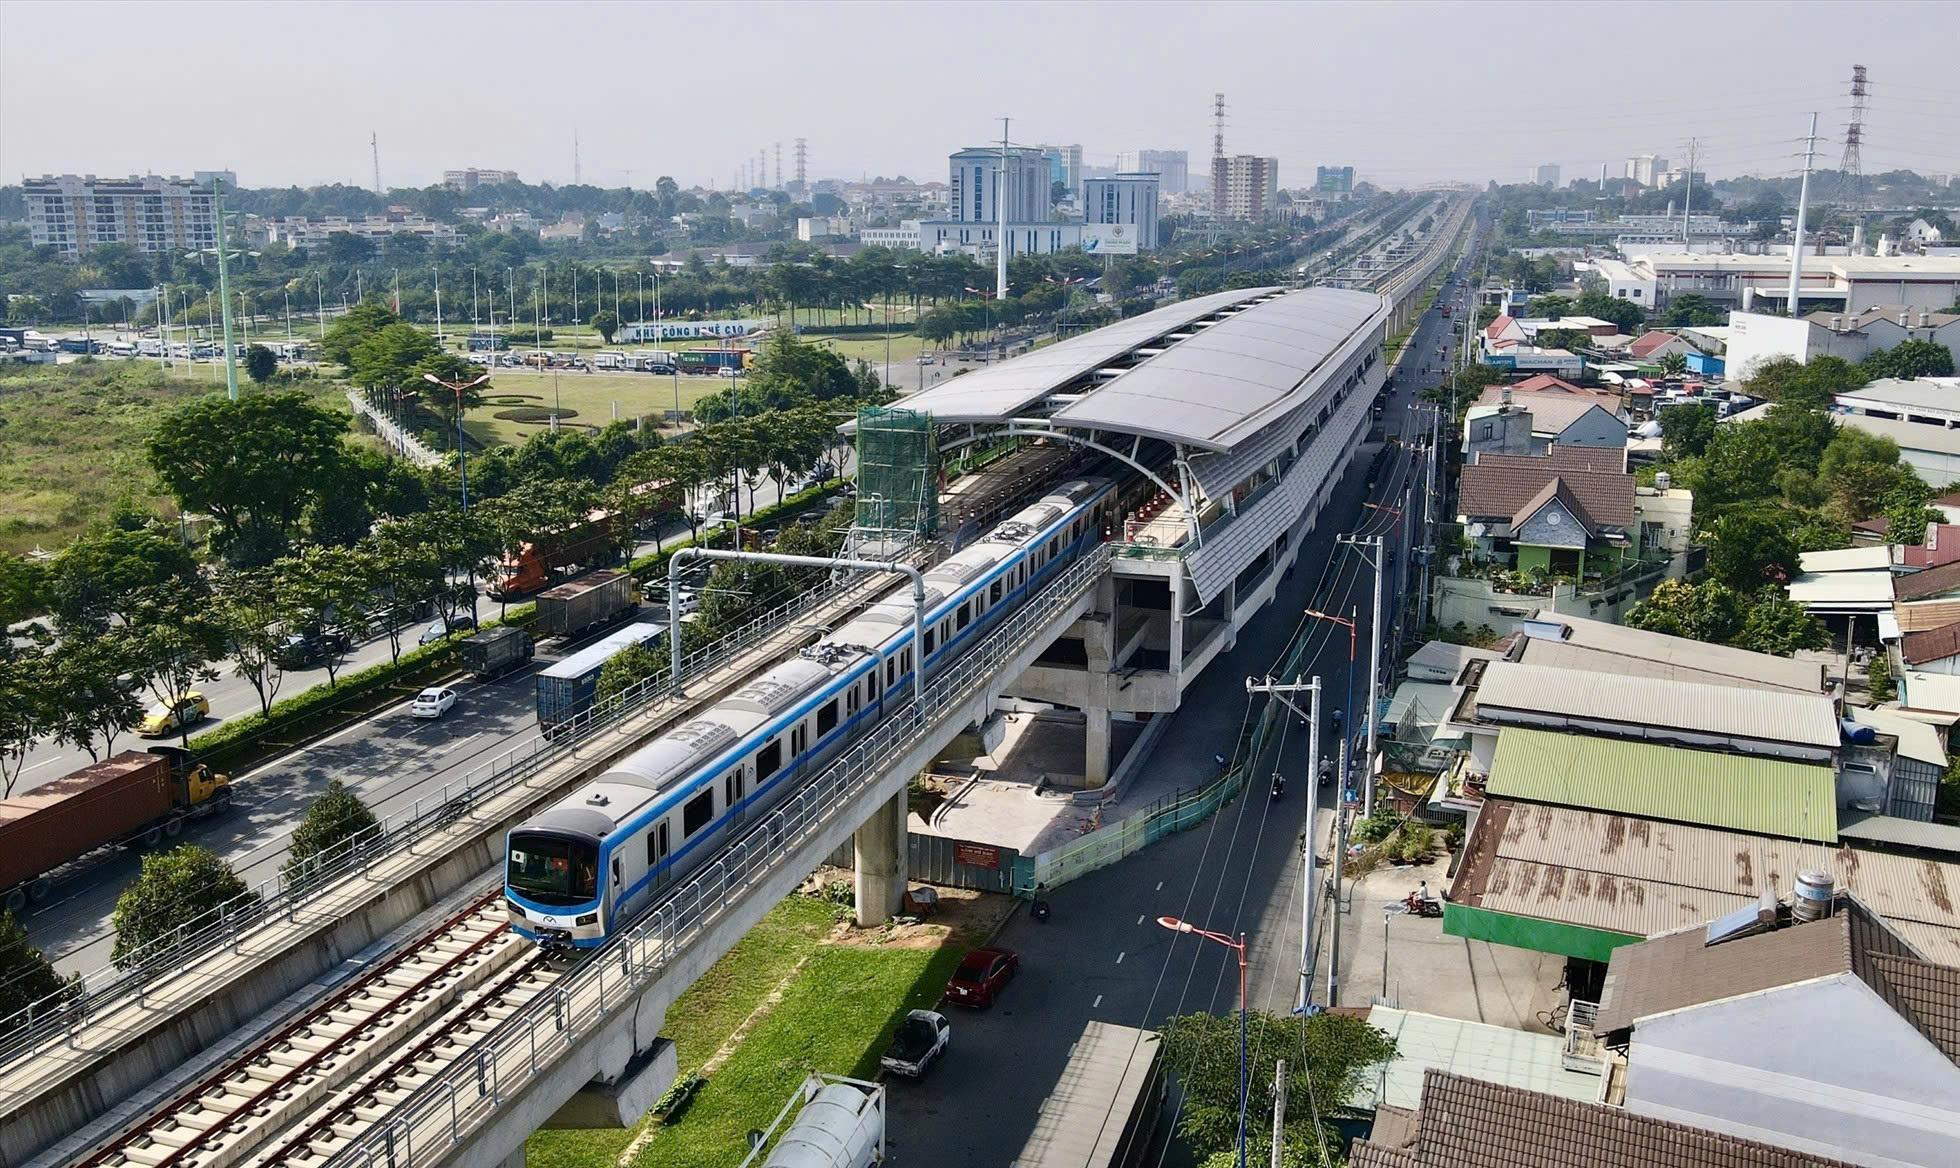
433	702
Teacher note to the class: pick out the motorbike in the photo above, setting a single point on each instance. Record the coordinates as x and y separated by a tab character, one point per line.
1420	904
1037	906
1326	769
1279	785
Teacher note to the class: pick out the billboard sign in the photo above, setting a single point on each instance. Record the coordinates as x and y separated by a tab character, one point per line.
1109	238
690	330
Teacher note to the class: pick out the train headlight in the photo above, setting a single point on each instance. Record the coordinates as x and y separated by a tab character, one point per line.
590	918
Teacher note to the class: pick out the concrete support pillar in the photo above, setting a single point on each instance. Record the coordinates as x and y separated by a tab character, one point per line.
880	879
1177	633
1095	748
1099	628
1231	612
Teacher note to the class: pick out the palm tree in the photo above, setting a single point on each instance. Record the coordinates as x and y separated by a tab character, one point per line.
1674	364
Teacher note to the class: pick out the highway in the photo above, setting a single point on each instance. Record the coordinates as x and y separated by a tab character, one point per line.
389	760
1102	955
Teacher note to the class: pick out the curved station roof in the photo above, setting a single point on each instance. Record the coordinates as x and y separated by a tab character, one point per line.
1206	372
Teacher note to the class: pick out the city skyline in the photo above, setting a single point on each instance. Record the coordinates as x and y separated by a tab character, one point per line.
1429	112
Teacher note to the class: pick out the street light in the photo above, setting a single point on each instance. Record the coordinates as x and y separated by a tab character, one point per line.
1238	946
462	455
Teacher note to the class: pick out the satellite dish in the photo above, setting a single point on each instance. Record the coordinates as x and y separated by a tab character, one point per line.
1477	530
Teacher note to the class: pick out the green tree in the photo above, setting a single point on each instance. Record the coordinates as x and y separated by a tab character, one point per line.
331	587
21	582
1749	545
1692	310
1328	1056
1803	434
628	668
93	694
253	463
1708	611
335	818
97	579
186	888
605	323
26	976
1686	430
355	325
174	635
1910	359
1624	313
1776	624
1878	679
1674	364
1739	464
251	611
1550	307
25	694
260	363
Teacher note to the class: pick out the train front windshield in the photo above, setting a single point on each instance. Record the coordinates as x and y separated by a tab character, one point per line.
553	870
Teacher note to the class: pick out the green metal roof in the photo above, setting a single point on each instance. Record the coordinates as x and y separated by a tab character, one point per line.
1792	800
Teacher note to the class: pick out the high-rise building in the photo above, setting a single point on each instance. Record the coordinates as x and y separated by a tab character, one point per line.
1244	186
1333	180
974	176
1646	168
1125	200
75	214
1173	167
474	177
1544	176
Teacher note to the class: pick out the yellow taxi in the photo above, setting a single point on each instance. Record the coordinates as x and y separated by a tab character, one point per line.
166	718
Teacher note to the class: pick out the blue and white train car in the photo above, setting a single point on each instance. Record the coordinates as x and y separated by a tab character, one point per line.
600	856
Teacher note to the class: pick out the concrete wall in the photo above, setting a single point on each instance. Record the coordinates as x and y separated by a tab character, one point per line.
1824	1066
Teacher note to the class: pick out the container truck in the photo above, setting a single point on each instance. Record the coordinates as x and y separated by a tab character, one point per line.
570	609
138	797
569	688
495	652
711	360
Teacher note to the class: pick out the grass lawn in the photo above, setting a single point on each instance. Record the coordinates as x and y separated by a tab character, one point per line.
71	442
587	399
836	1015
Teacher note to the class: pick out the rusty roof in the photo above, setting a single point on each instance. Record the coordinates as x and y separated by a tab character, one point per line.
1469	1123
1930	644
1935	581
1639	877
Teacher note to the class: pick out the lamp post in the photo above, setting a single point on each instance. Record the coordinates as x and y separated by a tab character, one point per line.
1238	946
1340	811
462	455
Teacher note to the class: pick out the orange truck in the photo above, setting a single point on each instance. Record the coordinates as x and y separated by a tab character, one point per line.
589	543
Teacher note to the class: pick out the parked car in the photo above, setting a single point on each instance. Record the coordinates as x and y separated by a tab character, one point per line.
166	718
982	974
309	648
433	702
437	630
920	1040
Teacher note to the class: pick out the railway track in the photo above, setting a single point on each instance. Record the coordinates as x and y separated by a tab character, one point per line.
350	1045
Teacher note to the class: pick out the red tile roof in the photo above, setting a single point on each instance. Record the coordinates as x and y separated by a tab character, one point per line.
1546	383
1495	327
1647	342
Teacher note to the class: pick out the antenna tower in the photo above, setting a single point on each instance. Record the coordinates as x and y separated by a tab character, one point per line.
779	166
374	145
1849	177
1219	168
577	178
802	158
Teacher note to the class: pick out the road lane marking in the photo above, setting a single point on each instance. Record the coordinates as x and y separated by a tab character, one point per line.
44	762
1120	956
1140	917
1096	1003
1160	886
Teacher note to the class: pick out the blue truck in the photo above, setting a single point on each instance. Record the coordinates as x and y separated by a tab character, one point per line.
568	689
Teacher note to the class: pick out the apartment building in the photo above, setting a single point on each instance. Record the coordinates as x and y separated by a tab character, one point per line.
78	213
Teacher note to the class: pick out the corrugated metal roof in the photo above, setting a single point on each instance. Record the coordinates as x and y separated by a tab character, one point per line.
1768	715
1867	590
1917	739
1921	615
1443	661
1230	380
1629	874
1849	559
1789	799
1930	691
1901	832
1496	1054
1001	391
1565	655
1718	659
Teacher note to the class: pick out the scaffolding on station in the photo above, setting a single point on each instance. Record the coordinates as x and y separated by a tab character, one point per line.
897	482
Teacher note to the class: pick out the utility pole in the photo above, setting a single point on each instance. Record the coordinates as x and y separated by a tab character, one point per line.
1000	211
1308	892
1688	201
1279	1109
1803	203
1374	667
374	145
224	291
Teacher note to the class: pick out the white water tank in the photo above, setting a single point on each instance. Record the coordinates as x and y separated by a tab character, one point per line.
840	1126
1662	480
1813	895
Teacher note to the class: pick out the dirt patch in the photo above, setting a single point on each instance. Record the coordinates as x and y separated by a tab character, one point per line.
964	917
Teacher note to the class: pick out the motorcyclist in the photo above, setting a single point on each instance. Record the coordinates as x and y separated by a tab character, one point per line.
1279	784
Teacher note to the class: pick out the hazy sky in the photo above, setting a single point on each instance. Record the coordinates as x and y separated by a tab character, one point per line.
289	92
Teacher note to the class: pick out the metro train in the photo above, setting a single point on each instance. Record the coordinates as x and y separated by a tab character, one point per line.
590	863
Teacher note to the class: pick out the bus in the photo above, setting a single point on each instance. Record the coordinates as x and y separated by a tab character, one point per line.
488	342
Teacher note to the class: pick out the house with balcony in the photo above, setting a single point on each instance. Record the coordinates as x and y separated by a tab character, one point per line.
1532	423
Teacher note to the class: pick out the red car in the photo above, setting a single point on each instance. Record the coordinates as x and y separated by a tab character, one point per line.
981	975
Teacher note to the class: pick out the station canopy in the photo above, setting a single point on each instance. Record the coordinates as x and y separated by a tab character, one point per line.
1206	372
